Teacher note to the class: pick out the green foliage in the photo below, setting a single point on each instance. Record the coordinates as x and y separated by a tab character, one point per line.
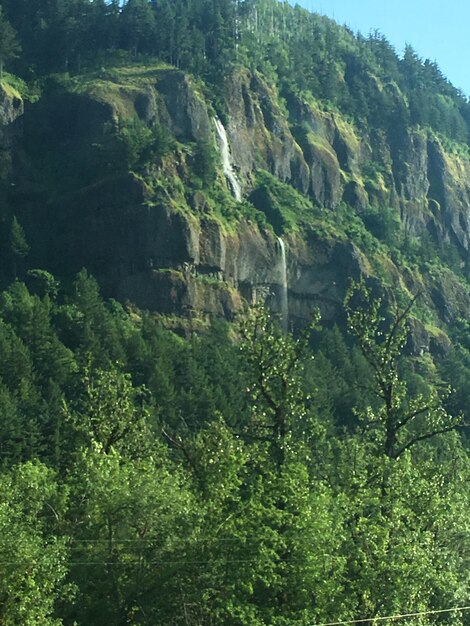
9	44
237	476
204	161
33	557
132	144
384	223
217	469
109	413
401	421
131	513
284	207
18	243
17	247
43	283
274	360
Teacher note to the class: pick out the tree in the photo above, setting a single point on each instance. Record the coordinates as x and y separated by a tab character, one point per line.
18	245
138	26
33	558
9	45
399	422
31	318
405	545
204	162
130	514
89	325
111	411
274	363
404	502
42	283
137	513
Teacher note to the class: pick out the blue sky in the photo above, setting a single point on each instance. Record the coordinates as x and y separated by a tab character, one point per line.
437	30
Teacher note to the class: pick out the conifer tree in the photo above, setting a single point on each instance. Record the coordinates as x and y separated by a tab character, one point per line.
9	45
18	245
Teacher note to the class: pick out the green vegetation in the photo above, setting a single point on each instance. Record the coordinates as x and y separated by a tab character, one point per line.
284	207
363	77
9	46
140	469
180	470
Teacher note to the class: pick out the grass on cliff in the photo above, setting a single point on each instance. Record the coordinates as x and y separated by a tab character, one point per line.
15	87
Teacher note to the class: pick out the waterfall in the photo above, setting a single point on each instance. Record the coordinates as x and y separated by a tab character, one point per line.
284	302
227	163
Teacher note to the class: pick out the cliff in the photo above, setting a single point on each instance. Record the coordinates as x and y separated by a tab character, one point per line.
130	172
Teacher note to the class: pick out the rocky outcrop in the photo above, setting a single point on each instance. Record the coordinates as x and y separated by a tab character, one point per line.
301	154
182	109
259	134
11	105
325	157
173	263
318	152
449	177
157	240
11	112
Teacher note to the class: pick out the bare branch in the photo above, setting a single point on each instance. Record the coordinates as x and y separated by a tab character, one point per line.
407	419
400	319
178	443
424	437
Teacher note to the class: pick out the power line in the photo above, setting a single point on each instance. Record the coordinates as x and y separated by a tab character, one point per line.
142	561
152	539
393	617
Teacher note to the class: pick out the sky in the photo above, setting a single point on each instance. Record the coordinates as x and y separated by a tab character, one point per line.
437	30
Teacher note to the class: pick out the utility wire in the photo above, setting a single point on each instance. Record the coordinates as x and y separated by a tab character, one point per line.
393	617
134	561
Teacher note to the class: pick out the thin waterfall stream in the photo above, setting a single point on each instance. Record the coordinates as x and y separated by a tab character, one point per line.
284	298
227	162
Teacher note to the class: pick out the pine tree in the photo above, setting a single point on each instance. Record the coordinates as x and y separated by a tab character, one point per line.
18	246
138	27
9	45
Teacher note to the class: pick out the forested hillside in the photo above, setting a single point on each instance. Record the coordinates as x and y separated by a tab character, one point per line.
234	337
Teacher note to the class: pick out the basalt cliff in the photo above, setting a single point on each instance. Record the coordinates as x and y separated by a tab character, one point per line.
190	205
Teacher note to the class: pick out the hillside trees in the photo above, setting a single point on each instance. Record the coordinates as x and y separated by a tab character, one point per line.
171	480
137	26
400	421
404	503
303	52
402	520
16	248
9	44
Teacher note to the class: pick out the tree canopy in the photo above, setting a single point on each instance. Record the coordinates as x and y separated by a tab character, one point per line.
149	479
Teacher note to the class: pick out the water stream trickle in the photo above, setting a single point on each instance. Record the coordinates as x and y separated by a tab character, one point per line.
284	299
227	163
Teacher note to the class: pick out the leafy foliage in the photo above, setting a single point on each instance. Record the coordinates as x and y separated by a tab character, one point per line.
241	476
217	470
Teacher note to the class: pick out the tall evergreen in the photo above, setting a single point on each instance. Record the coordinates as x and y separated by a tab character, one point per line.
9	44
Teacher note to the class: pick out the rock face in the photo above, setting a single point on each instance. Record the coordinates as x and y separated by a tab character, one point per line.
11	105
172	263
259	133
11	111
167	252
323	156
183	110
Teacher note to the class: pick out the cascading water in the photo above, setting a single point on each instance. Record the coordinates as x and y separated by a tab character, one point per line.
227	163
284	300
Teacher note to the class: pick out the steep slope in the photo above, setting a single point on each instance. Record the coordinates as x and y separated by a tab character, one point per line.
191	195
122	172
159	465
